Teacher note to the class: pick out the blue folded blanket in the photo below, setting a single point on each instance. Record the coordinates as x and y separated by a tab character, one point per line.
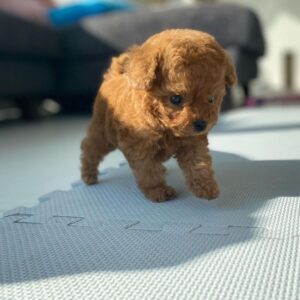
69	14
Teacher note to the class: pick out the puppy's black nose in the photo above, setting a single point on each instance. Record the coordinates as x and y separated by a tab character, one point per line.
200	125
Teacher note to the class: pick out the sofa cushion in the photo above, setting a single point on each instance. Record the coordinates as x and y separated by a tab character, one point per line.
27	39
232	25
70	14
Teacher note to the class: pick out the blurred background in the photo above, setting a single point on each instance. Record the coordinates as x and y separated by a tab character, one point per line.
53	54
280	20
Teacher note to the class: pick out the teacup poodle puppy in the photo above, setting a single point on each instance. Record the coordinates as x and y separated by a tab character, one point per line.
159	100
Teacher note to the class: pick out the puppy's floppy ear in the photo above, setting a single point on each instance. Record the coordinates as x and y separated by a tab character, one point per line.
142	67
230	75
118	65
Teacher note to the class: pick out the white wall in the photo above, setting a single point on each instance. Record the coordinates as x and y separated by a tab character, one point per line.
281	24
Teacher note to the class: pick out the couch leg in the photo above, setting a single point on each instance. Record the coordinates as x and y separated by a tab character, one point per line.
31	108
245	87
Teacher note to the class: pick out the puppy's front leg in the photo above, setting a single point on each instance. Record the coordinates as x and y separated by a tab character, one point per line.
150	177
195	161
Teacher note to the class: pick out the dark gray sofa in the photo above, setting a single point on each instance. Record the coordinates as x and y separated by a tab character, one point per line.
67	64
29	54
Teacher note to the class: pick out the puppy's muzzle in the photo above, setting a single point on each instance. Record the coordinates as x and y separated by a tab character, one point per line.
200	125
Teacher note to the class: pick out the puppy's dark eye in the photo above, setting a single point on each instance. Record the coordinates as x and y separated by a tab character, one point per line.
211	99
176	99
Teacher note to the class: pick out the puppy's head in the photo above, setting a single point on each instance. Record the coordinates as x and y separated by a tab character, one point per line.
185	74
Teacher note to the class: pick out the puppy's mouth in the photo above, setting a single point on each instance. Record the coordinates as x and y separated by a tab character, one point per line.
191	130
187	133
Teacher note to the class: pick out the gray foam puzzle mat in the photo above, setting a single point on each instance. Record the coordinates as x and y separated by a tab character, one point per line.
67	262
108	242
254	197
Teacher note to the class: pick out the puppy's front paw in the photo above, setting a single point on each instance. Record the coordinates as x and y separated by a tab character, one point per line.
207	189
160	193
89	179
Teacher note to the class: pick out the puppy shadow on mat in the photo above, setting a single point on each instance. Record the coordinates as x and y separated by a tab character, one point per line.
255	195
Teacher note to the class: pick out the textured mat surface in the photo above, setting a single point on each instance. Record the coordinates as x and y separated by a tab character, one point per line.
54	262
258	196
108	242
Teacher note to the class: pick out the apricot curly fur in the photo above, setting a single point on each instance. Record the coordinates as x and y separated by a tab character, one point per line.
133	112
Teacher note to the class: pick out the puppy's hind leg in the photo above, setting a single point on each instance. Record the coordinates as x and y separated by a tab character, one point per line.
93	149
